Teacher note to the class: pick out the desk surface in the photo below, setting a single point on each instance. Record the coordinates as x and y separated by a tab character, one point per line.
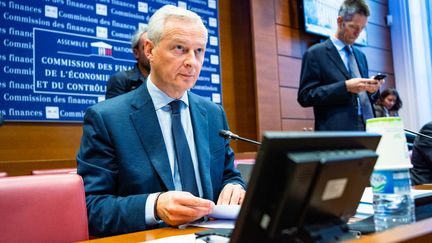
147	235
418	232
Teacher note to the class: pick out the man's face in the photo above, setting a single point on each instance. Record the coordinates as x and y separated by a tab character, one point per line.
139	53
349	31
177	60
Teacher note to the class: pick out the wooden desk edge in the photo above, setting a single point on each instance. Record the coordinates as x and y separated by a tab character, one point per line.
147	235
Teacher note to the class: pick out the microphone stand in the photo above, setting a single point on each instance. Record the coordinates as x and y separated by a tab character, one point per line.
247	140
229	135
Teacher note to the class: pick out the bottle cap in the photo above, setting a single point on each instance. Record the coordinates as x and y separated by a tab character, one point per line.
392	149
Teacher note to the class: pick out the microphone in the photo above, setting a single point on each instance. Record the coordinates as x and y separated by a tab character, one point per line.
229	135
418	134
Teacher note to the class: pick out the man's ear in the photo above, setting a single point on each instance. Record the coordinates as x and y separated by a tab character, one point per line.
148	49
339	21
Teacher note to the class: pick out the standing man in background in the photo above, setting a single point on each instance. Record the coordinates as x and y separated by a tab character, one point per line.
125	81
421	157
334	73
153	157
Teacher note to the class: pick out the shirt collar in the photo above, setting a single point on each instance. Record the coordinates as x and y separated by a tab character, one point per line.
159	98
338	43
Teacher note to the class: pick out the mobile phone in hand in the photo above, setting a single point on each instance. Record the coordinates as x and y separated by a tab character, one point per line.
380	76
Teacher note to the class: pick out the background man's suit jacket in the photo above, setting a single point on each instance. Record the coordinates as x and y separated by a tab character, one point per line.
123	158
124	81
421	157
322	85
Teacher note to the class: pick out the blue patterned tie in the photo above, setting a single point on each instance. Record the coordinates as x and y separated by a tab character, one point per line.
365	107
182	151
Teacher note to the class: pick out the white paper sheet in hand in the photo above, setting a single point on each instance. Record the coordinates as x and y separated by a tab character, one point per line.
225	212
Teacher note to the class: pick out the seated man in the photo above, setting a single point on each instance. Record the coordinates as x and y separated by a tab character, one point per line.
421	157
153	156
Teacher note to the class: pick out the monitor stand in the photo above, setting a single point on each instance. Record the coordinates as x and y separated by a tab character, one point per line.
334	232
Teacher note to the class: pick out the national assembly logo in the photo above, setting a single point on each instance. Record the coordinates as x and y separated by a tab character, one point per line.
101	48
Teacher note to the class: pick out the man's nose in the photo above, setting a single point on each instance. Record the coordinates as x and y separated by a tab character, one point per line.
190	58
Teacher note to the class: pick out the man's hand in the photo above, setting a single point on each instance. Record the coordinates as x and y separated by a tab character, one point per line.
177	208
231	194
357	85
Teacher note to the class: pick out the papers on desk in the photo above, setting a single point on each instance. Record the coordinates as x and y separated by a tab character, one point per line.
222	217
365	207
216	224
225	212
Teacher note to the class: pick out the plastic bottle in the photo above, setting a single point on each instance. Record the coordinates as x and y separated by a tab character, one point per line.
393	203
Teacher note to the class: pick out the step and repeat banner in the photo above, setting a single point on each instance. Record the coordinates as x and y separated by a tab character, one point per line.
56	56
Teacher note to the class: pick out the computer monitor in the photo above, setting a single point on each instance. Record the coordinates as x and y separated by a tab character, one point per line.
305	186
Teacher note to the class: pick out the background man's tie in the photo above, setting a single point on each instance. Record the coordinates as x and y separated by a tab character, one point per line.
182	151
365	107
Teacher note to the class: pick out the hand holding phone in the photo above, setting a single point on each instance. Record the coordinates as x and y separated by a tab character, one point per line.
379	76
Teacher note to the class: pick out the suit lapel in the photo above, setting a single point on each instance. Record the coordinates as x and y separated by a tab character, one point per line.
201	136
334	56
361	62
147	126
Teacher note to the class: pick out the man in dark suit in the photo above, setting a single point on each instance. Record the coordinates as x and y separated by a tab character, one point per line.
334	75
421	157
125	81
133	170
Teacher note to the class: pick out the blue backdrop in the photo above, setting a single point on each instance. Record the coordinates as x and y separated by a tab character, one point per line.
57	55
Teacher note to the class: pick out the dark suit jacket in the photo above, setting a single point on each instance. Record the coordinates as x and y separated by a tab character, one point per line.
322	85
124	81
421	157
123	158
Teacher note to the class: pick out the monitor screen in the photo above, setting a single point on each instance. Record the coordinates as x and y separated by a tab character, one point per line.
320	18
304	182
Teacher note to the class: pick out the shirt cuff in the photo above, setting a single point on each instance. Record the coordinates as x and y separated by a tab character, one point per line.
150	217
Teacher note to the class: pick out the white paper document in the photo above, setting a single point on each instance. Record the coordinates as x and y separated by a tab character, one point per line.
364	210
225	212
216	224
222	217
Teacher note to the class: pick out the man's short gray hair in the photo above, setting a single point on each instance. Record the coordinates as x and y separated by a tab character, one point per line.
137	36
156	26
351	7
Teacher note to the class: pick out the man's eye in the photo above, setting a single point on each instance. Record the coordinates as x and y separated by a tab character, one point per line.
199	50
180	48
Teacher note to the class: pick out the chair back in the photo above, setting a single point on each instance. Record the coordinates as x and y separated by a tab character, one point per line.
54	171
46	208
245	167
